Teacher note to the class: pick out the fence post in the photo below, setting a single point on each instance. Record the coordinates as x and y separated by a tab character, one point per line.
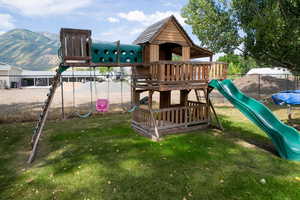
62	98
259	86
287	82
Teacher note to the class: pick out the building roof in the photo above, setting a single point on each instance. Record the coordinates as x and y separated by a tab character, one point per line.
7	67
37	74
269	71
155	29
151	32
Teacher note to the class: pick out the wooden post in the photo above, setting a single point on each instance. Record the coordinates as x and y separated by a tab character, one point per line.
258	86
183	97
186	53
150	98
289	112
164	99
154	52
216	116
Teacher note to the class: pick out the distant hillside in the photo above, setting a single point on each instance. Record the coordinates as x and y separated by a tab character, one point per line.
29	50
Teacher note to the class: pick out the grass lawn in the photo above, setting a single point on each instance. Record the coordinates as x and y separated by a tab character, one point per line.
102	158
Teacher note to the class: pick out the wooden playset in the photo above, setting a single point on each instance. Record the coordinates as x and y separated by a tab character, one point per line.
153	70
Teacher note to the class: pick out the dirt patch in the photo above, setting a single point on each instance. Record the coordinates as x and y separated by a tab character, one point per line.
245	144
267	84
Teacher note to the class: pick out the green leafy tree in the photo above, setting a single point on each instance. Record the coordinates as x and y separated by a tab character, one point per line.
267	30
238	64
105	70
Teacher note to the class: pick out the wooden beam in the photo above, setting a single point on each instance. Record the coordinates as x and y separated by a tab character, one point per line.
185	53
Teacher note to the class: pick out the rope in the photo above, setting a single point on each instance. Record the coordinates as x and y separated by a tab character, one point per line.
108	88
122	92
73	84
91	90
86	115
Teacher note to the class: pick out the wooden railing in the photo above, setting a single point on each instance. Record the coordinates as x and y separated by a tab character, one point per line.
174	117
143	118
218	71
195	103
75	46
168	71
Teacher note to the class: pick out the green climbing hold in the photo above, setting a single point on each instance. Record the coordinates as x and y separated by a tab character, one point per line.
105	52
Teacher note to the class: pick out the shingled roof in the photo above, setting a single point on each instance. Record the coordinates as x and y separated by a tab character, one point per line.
151	32
155	29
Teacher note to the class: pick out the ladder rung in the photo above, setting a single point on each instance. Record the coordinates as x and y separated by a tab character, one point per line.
42	116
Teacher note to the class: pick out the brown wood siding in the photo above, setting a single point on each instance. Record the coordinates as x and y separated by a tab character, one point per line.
171	34
146	54
154	52
186	53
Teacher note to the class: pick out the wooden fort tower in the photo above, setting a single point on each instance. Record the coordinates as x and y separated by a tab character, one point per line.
162	74
154	70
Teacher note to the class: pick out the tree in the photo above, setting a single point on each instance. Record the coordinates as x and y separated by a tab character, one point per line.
105	70
238	64
267	30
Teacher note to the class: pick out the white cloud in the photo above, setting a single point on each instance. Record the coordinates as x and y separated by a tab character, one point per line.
44	7
113	20
113	34
6	22
147	19
136	31
170	4
108	33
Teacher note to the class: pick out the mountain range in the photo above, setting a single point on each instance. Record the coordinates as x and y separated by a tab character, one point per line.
29	50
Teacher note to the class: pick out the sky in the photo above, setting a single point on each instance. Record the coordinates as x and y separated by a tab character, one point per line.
109	20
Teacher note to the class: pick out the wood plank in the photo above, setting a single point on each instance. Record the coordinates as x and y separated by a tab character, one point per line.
162	72
83	45
168	72
176	116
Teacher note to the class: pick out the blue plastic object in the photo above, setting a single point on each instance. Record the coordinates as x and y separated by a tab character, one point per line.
291	97
105	52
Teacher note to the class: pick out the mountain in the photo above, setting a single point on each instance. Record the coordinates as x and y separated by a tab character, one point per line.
29	50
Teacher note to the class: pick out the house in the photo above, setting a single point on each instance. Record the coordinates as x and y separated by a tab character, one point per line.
10	77
14	77
45	78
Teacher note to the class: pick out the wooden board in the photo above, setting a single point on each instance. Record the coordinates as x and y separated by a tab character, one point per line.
185	53
171	33
154	52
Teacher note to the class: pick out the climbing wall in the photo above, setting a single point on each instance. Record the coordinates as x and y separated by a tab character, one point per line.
108	53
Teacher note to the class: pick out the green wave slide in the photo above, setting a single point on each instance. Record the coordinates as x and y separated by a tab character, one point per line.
285	138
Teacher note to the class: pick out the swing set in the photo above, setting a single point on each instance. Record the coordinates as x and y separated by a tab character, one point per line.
101	105
153	70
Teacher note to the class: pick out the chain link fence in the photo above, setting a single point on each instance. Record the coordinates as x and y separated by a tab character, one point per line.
22	97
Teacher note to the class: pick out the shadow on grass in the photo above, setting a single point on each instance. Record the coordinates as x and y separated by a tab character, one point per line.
28	112
102	158
232	130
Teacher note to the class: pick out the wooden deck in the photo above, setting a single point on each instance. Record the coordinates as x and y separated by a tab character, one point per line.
170	120
168	75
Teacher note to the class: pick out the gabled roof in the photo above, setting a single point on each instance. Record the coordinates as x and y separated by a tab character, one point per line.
150	34
155	29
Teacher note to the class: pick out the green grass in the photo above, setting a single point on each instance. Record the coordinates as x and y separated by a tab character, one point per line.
102	158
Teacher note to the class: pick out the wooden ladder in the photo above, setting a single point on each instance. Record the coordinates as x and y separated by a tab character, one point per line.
43	115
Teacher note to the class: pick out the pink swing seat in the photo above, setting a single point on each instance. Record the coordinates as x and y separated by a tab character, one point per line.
102	105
